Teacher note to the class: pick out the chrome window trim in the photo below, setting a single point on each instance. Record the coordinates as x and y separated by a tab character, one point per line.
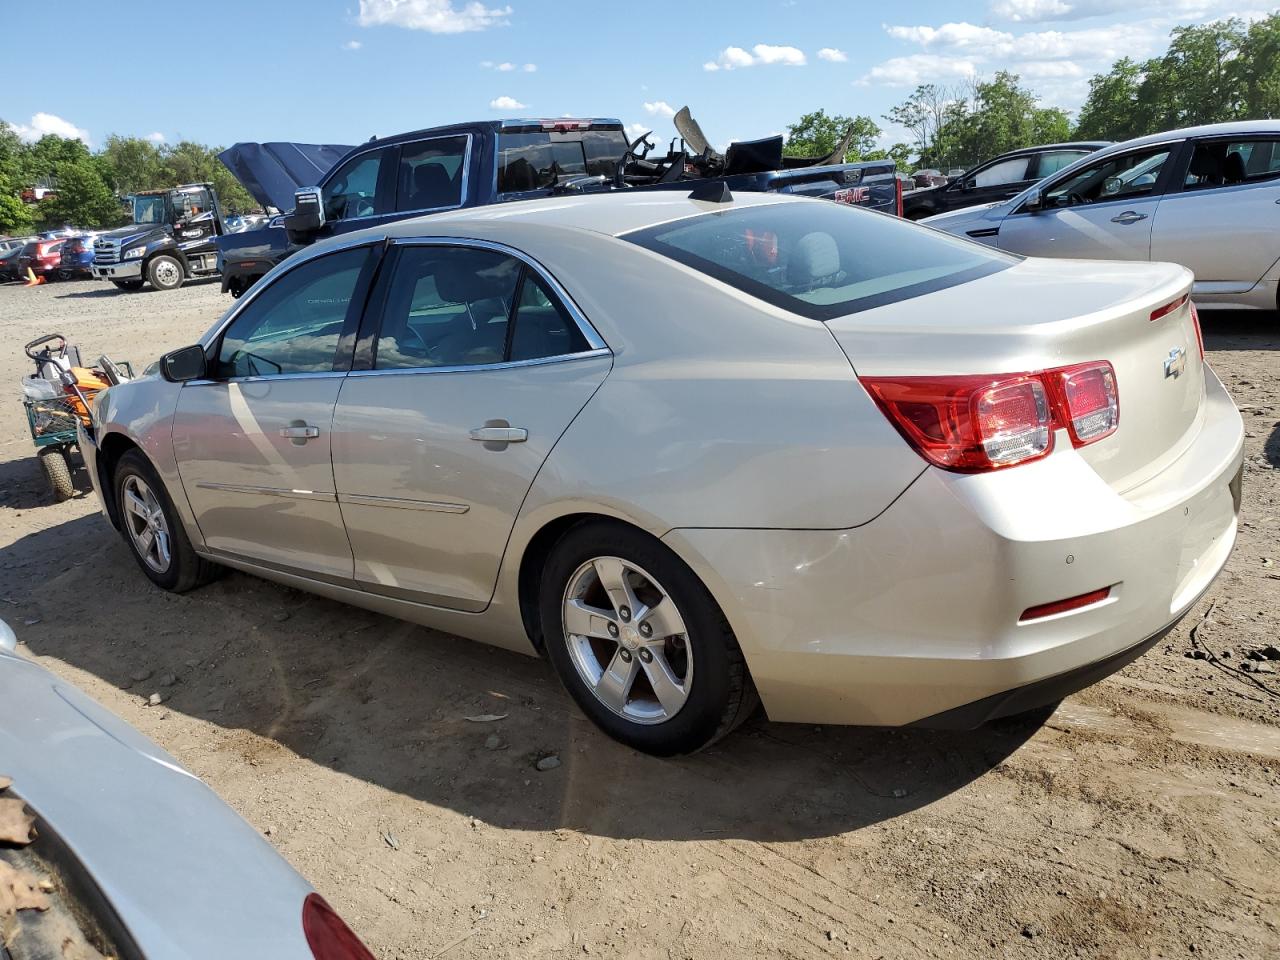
594	340
263	377
472	367
466	174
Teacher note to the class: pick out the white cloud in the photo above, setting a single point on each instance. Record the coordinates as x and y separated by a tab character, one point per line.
530	68
156	137
506	103
507	67
833	55
953	35
45	123
1040	11
660	108
433	16
352	45
635	129
735	58
920	68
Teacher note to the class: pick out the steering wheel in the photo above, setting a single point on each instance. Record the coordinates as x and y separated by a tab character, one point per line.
364	207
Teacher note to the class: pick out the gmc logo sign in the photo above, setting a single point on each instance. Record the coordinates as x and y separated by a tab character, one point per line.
850	195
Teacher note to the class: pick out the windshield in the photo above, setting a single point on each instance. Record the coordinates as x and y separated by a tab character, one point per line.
148	209
821	259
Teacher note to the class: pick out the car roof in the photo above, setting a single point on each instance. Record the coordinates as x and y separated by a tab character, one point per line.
1205	130
611	214
1073	145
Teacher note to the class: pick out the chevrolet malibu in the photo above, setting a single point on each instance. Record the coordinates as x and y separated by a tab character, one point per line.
702	455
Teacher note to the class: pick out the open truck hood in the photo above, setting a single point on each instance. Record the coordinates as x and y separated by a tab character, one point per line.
271	172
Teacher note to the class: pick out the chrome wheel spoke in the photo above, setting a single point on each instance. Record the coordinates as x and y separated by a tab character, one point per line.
614	686
667	687
162	547
612	574
663	619
135	504
145	540
583	620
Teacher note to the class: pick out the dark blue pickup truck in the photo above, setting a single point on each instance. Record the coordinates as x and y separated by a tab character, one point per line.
473	164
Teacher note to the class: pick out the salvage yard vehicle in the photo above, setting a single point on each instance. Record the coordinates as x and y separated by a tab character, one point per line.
153	866
695	450
1203	197
474	164
41	259
169	241
997	179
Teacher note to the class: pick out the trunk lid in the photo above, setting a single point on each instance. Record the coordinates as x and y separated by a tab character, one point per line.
1042	314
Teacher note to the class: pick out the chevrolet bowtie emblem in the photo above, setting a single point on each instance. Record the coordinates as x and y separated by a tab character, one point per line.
1176	363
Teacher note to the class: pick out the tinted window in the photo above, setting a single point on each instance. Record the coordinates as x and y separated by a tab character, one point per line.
1221	164
533	161
1006	171
293	326
447	306
821	259
1055	160
1115	178
352	191
543	327
431	174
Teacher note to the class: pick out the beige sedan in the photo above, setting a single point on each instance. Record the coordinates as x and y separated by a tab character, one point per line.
702	455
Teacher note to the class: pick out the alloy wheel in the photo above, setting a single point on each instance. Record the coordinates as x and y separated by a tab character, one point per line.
146	524
627	640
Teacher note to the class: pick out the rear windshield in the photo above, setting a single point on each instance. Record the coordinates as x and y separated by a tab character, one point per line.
821	259
534	161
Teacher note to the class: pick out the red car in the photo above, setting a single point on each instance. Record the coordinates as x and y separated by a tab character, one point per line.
42	257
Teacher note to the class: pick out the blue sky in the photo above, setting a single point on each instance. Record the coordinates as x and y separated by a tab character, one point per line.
340	71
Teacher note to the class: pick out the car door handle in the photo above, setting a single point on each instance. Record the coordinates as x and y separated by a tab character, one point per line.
1129	216
300	432
500	434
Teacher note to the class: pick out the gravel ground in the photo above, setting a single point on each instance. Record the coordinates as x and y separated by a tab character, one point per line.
1141	818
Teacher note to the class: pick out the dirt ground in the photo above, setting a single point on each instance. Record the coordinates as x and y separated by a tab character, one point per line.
1141	818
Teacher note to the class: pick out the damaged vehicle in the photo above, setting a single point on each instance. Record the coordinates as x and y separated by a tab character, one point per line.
110	848
475	164
698	447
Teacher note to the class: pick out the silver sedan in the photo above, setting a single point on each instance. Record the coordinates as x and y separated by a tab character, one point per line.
1204	197
702	454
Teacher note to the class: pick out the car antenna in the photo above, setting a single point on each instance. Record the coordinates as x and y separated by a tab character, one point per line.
712	191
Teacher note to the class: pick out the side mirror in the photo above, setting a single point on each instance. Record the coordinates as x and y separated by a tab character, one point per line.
179	366
966	186
307	216
1035	202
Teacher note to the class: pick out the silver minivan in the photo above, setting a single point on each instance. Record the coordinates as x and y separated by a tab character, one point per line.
1205	197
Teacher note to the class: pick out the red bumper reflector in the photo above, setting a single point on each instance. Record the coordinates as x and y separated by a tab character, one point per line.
1062	606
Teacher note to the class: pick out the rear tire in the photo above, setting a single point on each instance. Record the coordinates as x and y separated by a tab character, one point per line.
673	631
165	272
127	284
157	540
57	471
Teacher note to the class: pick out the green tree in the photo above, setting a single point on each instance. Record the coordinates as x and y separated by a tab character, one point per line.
189	162
83	199
817	134
132	163
15	216
1110	110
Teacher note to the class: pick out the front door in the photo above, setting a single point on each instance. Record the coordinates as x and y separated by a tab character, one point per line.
253	440
477	369
1103	211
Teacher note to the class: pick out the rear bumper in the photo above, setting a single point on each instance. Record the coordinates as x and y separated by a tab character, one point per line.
916	614
128	270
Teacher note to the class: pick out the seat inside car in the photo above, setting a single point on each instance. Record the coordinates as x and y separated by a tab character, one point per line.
1233	168
432	187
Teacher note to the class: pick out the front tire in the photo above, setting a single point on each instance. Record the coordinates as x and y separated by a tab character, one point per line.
640	643
165	272
153	530
57	471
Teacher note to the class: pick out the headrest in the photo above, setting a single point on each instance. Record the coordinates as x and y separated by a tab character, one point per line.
1205	164
1233	168
431	186
814	258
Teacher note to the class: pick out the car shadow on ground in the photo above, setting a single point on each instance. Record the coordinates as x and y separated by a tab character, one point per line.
1240	330
285	672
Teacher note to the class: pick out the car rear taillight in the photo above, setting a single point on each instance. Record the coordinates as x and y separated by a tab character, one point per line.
1195	322
327	935
897	190
972	424
1088	401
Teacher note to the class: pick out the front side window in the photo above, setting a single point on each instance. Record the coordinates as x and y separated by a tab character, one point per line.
148	209
294	325
461	306
351	193
821	260
430	174
1223	164
1115	178
1004	172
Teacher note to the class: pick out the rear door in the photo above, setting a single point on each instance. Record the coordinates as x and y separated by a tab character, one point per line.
1102	211
477	363
1222	219
252	441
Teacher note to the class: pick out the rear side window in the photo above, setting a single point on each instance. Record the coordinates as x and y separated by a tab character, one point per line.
430	174
821	259
1055	160
1222	164
998	174
534	161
